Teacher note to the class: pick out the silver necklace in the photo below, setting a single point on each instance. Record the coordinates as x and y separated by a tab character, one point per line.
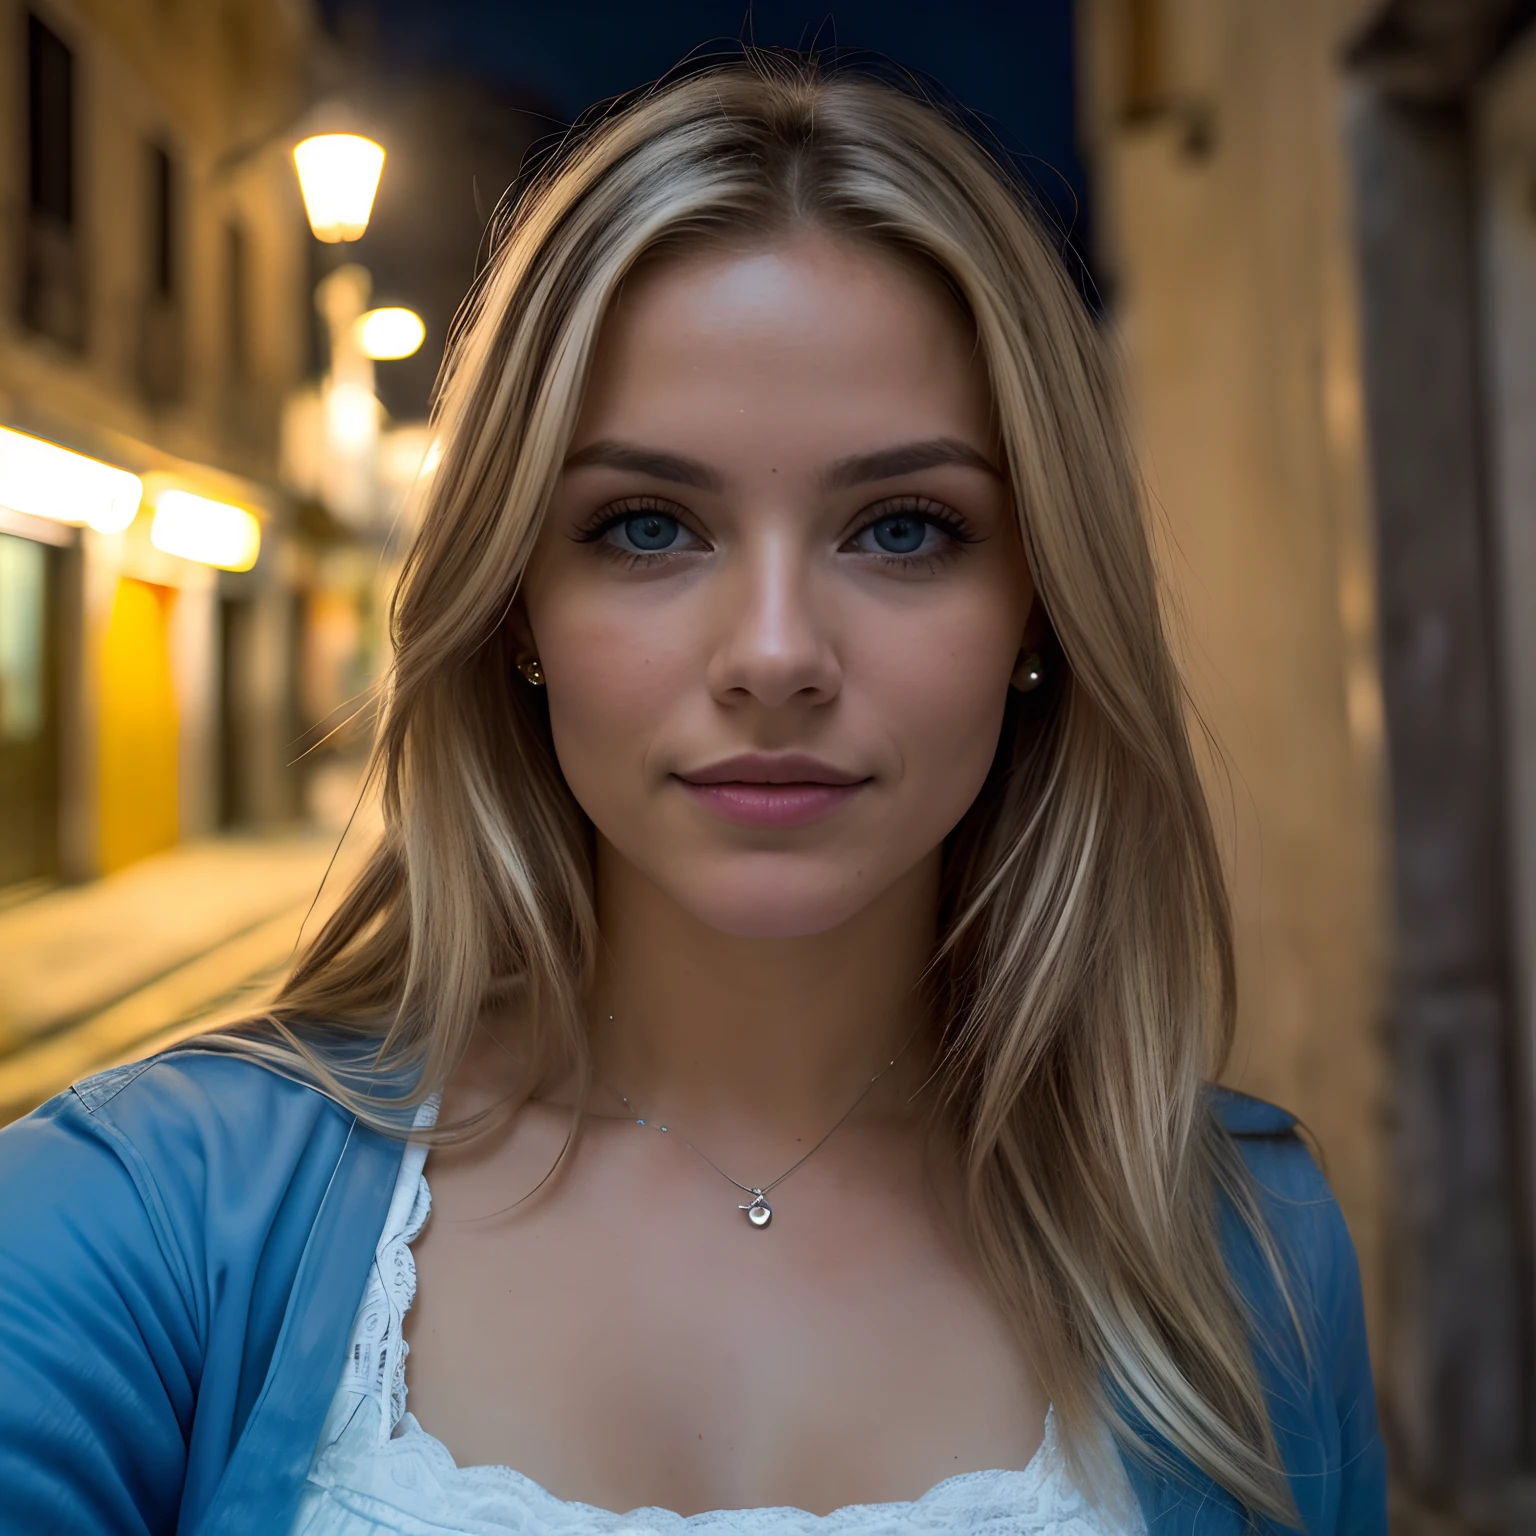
759	1212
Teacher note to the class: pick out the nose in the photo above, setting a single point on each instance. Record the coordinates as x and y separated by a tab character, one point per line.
776	628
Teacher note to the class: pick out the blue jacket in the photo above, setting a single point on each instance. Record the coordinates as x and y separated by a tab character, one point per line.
184	1241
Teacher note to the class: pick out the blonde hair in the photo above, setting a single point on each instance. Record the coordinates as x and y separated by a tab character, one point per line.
1084	977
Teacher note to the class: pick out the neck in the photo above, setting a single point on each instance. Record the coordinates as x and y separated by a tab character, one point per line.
779	1034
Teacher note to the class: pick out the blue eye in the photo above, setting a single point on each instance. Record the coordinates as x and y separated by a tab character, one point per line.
899	534
651	530
631	534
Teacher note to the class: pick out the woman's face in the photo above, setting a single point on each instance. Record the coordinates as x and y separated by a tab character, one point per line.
781	590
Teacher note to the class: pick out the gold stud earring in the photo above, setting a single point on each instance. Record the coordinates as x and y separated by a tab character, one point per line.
1029	674
533	673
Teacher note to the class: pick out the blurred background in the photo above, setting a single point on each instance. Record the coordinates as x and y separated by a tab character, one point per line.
1309	227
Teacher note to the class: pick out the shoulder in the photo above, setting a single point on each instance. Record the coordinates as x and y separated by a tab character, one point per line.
221	1106
1241	1114
183	1155
191	1088
187	1112
153	1152
1284	1180
1289	1191
170	1104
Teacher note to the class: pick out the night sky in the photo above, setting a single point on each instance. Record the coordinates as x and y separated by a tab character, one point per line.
1008	62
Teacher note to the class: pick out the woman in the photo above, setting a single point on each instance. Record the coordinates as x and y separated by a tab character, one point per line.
797	943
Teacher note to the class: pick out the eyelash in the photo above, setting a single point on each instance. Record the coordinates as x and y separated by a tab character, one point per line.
934	513
615	513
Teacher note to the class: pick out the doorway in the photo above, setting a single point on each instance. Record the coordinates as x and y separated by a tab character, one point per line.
139	805
28	711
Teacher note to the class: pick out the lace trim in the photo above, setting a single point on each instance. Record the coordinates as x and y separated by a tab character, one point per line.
375	1365
1037	1500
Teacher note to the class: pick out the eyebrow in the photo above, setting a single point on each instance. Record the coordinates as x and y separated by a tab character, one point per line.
858	469
905	459
647	461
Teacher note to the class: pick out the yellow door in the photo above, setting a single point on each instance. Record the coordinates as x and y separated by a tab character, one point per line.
138	726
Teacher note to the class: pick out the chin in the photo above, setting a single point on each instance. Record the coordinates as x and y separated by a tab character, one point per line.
753	906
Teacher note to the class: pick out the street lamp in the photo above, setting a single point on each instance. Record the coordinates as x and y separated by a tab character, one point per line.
332	432
338	176
385	334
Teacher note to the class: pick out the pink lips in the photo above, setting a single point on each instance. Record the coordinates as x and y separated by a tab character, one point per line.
759	790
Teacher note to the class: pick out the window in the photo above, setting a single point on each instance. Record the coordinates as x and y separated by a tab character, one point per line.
50	126
161	360
52	271
162	222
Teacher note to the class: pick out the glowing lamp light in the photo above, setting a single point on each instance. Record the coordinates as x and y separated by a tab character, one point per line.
351	417
338	175
384	334
45	480
210	532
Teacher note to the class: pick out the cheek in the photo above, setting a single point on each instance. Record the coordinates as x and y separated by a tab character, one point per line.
613	679
940	688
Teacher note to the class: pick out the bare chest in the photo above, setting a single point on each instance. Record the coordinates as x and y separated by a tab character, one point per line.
629	1339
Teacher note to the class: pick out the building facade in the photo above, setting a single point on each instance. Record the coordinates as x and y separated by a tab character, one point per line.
154	301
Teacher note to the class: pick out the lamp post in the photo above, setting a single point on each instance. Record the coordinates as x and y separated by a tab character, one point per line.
333	452
350	410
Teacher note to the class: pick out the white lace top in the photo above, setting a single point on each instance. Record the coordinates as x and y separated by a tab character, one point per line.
377	1472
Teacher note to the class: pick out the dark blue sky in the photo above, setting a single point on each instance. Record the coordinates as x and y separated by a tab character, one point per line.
1009	62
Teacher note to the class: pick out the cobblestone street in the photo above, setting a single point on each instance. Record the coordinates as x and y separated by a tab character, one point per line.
102	973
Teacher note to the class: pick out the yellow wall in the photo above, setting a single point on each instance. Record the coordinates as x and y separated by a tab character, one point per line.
138	733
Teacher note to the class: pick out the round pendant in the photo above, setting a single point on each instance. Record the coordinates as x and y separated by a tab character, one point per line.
759	1213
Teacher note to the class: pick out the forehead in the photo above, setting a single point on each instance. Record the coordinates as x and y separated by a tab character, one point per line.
811	338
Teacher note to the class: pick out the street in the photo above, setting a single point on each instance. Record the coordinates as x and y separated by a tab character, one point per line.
109	971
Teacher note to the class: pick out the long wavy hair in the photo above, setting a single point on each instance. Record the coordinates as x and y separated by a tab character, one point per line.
1083	980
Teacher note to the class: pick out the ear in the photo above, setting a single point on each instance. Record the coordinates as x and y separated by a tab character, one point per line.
523	643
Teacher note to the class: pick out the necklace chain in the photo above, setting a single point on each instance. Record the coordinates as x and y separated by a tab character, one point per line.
759	1212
